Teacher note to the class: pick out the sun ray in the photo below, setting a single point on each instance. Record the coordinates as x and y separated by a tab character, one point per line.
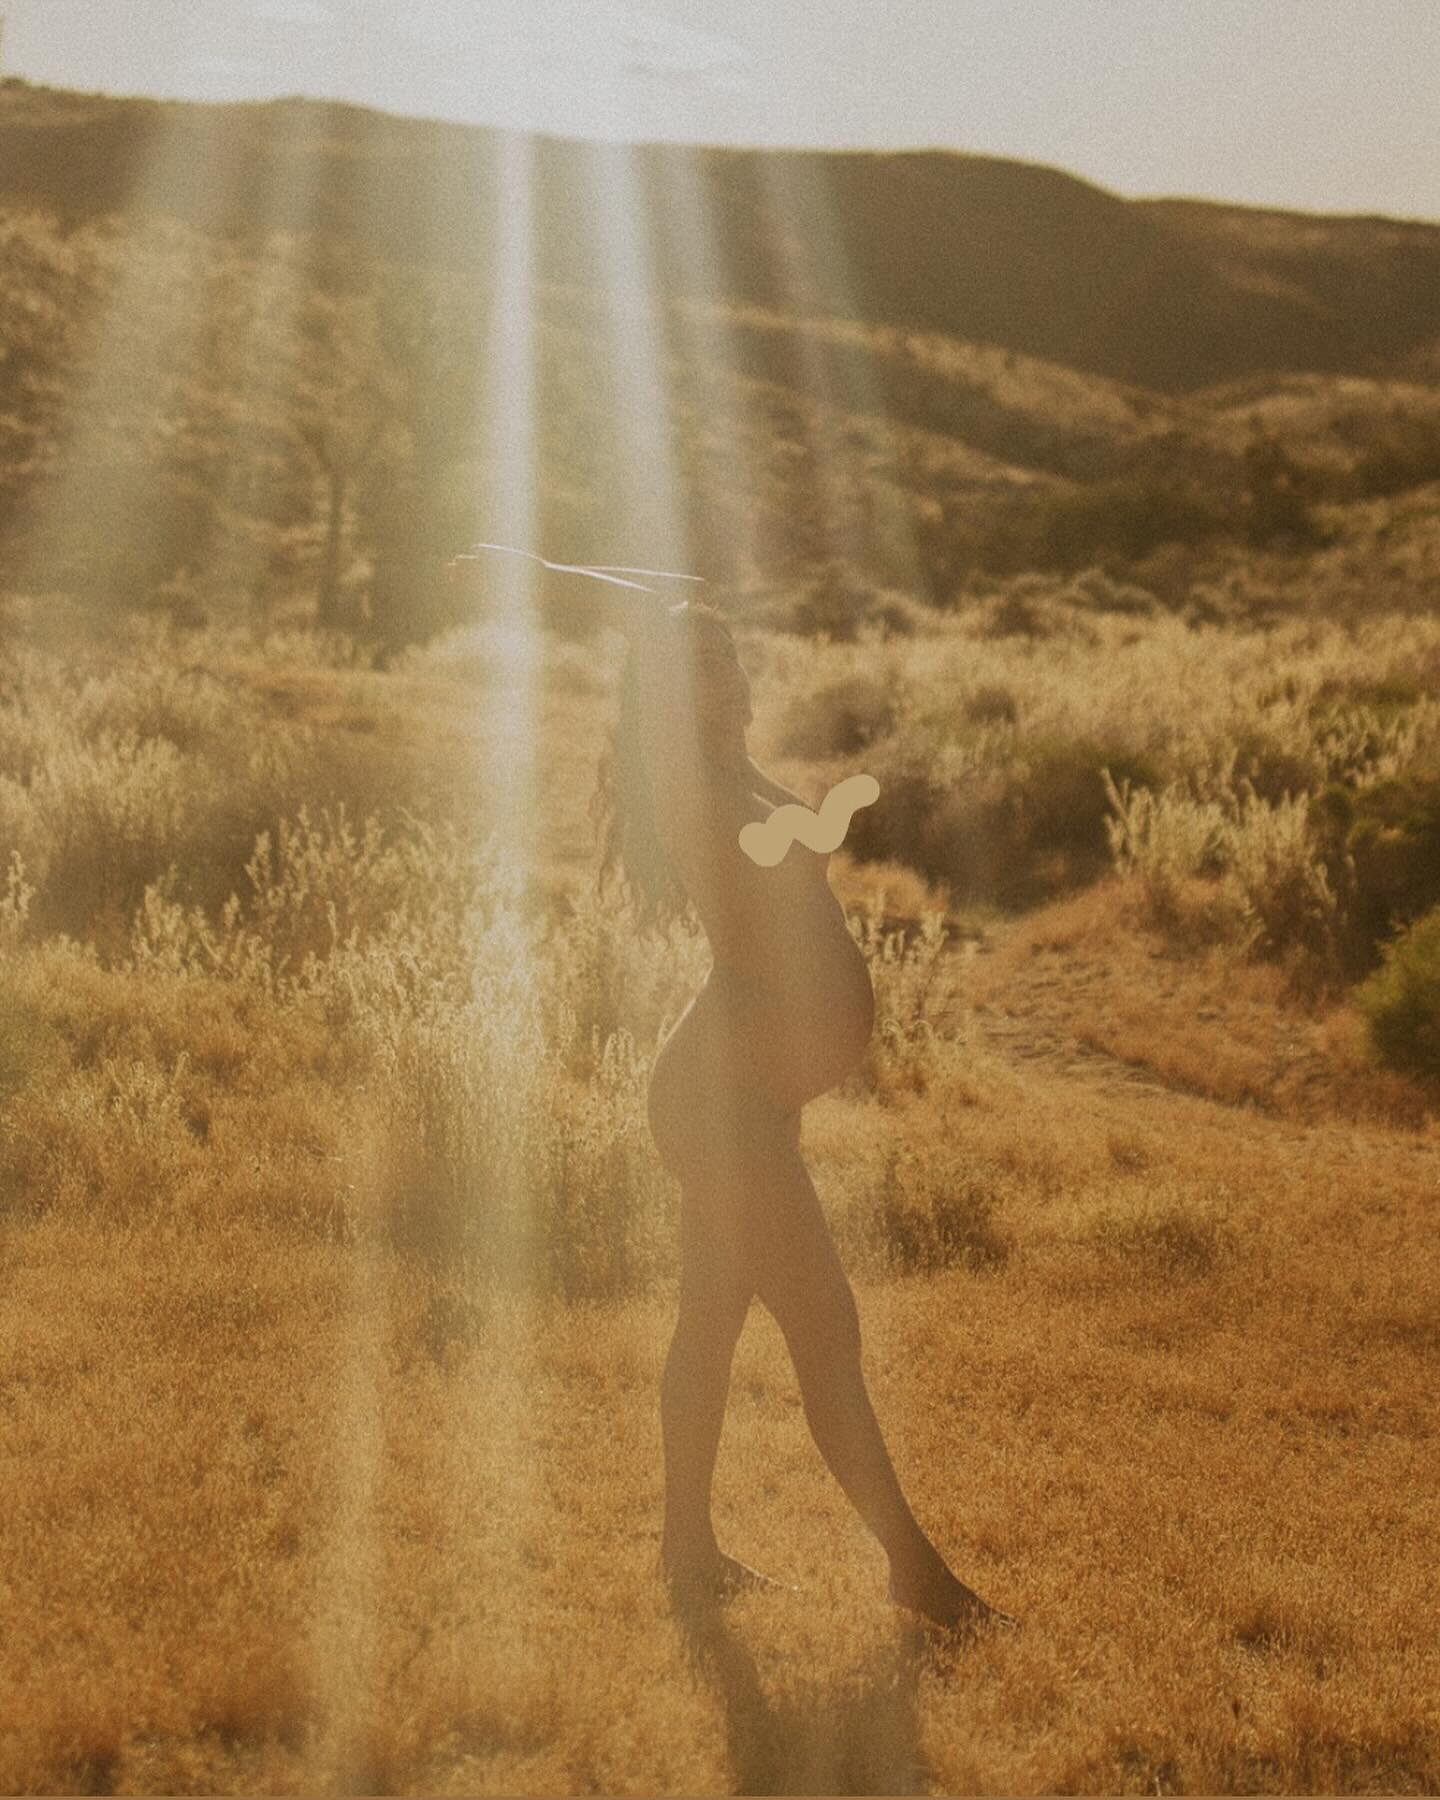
809	251
720	469
510	436
508	782
634	349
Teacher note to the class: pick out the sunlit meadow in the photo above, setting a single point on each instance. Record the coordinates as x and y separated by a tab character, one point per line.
338	1266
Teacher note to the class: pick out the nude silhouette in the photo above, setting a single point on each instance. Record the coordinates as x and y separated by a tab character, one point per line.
783	1015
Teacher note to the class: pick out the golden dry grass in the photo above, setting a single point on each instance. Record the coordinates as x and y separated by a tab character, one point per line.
295	1514
337	1277
1094	971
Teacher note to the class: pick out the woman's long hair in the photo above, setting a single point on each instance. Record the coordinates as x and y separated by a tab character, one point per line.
622	810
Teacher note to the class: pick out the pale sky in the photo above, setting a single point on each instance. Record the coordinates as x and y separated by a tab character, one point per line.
1329	105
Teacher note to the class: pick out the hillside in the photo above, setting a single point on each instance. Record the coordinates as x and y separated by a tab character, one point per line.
298	354
1171	295
339	1265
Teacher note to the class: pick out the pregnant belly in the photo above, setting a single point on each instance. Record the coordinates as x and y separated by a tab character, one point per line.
744	1042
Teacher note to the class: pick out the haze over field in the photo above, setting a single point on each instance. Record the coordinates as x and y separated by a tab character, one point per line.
1101	533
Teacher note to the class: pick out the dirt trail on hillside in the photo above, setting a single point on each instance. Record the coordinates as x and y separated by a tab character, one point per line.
1035	1029
1055	1001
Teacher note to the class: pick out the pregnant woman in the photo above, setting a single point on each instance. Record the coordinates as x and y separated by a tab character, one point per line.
784	1014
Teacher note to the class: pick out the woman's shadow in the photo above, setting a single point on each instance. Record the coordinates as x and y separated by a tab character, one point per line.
859	1736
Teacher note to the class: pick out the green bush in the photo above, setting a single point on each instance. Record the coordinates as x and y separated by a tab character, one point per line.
1401	1000
1382	848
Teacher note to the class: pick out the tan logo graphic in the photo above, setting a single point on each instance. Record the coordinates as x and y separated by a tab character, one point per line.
765	841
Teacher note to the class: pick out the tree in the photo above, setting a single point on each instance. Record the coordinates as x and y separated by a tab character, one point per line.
349	399
430	336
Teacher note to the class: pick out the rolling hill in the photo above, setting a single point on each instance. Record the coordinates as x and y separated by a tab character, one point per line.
1173	295
335	342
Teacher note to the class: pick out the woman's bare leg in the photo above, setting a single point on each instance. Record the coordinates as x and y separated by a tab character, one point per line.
751	1224
714	1299
798	1276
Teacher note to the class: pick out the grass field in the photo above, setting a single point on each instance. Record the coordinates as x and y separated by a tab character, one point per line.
336	1269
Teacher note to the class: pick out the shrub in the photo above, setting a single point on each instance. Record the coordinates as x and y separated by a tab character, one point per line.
905	1047
937	1211
1001	817
492	1155
1272	766
1382	847
15	900
1272	889
835	605
1064	800
1289	903
607	978
1166	1234
112	814
1126	516
840	718
1032	607
990	704
1401	1001
1096	591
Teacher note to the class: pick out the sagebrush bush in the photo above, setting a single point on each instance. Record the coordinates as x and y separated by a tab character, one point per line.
1270	893
840	718
1401	1001
937	1211
1166	1234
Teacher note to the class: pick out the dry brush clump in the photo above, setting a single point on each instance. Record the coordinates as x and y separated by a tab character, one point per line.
1274	791
447	1065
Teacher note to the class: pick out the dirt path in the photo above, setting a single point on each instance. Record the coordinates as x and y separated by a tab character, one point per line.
1036	1030
1079	995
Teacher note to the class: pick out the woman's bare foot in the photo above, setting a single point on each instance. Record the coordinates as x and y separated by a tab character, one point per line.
717	1577
942	1599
